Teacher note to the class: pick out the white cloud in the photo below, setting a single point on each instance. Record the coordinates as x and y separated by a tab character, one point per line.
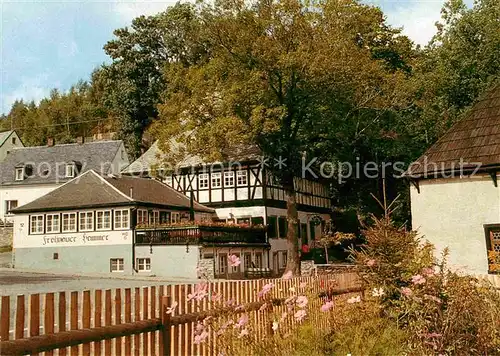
30	89
417	18
127	10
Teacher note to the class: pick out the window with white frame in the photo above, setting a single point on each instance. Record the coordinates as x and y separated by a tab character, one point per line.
144	264
229	179
103	220
86	221
36	224
20	173
69	222
53	223
9	205
121	219
176	217
156	217
283	260
247	260
203	181
70	170
142	216
216	180
258	259
241	178
116	264
222	263
236	269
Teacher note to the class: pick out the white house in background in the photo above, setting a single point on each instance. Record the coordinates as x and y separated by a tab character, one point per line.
455	197
9	140
243	191
28	173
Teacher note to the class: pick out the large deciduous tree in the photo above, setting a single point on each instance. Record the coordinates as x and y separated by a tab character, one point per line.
286	76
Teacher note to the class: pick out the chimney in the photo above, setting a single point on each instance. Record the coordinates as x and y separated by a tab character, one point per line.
80	140
50	141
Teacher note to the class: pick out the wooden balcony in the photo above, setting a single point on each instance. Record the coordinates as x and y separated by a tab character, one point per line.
201	235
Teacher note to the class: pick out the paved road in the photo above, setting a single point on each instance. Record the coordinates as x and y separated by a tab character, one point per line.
14	282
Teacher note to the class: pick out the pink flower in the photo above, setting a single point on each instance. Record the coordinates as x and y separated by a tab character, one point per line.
283	316
301	301
327	306
353	300
303	285
216	297
407	292
243	332
428	271
200	333
371	262
242	321
234	261
263	307
300	315
288	275
266	289
224	327
200	292
290	300
170	309
432	335
418	279
433	298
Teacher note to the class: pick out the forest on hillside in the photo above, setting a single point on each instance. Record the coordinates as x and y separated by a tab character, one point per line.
330	78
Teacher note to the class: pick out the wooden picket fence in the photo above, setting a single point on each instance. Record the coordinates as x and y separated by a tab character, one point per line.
134	321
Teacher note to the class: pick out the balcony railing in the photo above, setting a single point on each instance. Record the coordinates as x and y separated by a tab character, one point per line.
203	235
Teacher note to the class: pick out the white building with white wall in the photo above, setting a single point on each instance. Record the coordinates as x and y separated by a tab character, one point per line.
455	193
9	140
243	191
28	173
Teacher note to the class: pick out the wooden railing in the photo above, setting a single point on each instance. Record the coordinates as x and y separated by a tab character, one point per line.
199	235
138	323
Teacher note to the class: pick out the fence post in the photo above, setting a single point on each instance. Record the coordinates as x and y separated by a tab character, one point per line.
165	320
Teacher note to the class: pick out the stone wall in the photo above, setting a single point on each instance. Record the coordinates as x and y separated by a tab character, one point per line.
307	268
6	236
206	268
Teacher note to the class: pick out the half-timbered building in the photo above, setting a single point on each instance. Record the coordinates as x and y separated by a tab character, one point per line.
243	190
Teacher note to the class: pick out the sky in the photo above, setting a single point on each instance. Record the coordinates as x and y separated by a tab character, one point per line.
48	44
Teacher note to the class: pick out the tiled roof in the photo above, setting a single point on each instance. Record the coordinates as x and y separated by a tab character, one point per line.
48	163
90	190
155	157
470	143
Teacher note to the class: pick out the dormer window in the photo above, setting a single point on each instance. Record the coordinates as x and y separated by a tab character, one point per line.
70	170
20	173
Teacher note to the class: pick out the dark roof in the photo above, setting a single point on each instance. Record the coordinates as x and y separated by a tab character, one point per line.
90	190
154	157
471	143
48	163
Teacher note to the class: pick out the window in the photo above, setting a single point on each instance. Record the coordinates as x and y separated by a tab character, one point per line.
312	228
241	178
53	223
258	259
144	264
9	205
216	180
236	268
203	181
222	263
13	140
20	173
257	220
283	260
493	245
70	170
121	219
176	218
36	224
271	227
228	179
303	233
104	220
247	260
116	264
156	217
243	221
142	216
69	222
87	221
282	226
164	217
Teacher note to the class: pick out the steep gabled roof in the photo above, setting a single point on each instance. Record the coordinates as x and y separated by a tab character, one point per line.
155	157
470	143
4	136
90	190
48	163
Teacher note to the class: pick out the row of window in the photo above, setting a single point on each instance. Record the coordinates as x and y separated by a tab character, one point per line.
83	221
142	264
217	178
277	226
247	262
22	172
155	217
